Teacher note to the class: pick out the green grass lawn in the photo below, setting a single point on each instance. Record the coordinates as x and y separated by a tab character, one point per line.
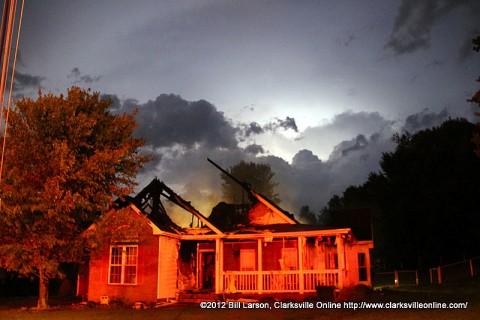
458	292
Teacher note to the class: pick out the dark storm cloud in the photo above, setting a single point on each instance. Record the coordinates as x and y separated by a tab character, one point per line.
288	123
78	77
307	181
304	158
424	119
253	128
23	81
358	120
170	120
343	126
414	21
254	149
345	147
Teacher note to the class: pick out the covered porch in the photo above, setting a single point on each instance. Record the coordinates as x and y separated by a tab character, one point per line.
282	263
275	262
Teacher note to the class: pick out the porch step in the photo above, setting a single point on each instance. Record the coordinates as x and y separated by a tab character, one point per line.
187	297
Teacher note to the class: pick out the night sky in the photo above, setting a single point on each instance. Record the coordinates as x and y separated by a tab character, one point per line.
314	88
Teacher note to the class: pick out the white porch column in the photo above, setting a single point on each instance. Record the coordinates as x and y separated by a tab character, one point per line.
260	263
300	242
341	260
218	266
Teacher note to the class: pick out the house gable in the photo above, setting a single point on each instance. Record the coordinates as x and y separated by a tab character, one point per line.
266	212
125	266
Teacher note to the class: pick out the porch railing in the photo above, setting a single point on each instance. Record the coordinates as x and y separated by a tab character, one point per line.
278	280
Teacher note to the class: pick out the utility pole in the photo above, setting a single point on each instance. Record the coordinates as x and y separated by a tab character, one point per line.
8	25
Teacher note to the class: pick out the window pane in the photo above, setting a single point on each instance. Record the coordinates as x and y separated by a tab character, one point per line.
361	260
131	257
362	267
116	255
362	274
130	274
115	274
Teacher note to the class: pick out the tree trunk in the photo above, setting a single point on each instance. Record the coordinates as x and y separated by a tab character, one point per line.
42	290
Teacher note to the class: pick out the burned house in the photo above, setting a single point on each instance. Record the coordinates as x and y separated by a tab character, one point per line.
255	249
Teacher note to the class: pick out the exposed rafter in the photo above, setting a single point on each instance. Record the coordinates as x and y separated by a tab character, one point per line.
149	200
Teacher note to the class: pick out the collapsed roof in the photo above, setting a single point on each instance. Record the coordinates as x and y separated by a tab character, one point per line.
149	202
261	215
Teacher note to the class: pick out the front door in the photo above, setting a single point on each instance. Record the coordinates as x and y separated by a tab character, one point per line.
206	269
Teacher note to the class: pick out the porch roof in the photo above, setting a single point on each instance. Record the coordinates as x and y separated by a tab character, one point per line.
285	230
275	228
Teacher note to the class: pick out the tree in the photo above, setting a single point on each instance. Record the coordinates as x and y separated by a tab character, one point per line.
354	197
425	200
66	158
257	175
431	194
476	99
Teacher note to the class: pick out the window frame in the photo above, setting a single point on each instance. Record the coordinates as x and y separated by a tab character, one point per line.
362	267
125	261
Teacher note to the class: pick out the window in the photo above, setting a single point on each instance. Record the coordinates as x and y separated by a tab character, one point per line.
362	267
123	265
